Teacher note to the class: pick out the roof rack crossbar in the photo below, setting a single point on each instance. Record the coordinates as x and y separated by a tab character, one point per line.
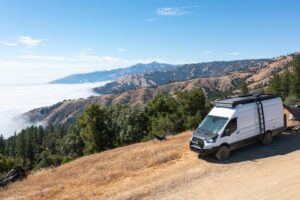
235	101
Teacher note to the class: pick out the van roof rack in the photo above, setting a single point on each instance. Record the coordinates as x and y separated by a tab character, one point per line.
235	101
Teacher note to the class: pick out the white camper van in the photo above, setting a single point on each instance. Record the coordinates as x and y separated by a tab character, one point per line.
236	122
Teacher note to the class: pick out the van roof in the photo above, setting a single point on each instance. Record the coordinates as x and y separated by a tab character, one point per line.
235	101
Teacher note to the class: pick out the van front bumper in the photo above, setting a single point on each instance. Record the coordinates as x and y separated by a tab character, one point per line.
201	151
199	146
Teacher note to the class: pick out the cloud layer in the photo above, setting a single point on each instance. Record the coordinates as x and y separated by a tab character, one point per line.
23	40
16	100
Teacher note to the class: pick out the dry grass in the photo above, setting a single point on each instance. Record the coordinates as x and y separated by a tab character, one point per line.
168	170
90	176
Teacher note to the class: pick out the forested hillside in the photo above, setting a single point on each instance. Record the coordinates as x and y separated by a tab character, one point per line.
287	84
100	128
70	110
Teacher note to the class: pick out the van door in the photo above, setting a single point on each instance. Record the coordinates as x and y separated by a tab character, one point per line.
230	134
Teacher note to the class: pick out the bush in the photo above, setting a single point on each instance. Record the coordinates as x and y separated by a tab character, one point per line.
67	159
161	125
6	163
292	100
47	159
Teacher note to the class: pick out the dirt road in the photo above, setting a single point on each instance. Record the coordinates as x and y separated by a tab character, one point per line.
254	172
169	170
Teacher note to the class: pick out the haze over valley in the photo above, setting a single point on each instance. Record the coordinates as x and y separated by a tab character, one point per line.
17	99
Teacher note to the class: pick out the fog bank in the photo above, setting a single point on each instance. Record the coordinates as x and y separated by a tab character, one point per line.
17	99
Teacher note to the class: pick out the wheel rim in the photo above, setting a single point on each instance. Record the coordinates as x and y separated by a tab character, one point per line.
224	153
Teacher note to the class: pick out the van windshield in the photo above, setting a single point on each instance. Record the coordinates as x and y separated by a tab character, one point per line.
212	124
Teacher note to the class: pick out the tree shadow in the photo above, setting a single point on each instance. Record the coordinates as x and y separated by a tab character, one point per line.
283	144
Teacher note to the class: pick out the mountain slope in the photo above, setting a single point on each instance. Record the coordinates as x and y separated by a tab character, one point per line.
256	76
70	110
109	75
261	77
169	170
181	73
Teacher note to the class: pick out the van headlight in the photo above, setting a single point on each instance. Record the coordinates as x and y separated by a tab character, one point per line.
210	140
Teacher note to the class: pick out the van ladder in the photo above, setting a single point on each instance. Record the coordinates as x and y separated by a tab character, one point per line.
261	117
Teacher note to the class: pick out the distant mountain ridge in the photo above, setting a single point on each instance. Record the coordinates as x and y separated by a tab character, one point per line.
108	75
180	73
256	76
70	110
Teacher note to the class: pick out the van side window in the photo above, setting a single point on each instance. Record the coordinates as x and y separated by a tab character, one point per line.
232	125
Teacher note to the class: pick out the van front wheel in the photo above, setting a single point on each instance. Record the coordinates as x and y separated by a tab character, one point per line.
267	138
223	153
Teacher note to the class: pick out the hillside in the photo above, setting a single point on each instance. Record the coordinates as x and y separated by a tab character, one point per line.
169	170
263	75
108	75
70	110
181	73
256	77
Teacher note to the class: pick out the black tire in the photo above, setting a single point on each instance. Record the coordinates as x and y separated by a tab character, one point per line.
267	138
223	153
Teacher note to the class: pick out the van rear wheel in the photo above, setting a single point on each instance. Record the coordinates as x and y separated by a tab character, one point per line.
267	138
223	153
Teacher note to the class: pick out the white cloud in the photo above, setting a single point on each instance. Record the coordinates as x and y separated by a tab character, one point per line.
174	11
9	44
29	41
171	12
150	20
23	40
121	50
234	53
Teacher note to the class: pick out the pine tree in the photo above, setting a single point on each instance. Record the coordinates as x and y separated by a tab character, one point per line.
93	125
296	67
30	146
11	145
21	146
275	85
293	85
285	84
2	144
244	88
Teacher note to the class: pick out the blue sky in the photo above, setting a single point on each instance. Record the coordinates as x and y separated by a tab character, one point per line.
43	40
